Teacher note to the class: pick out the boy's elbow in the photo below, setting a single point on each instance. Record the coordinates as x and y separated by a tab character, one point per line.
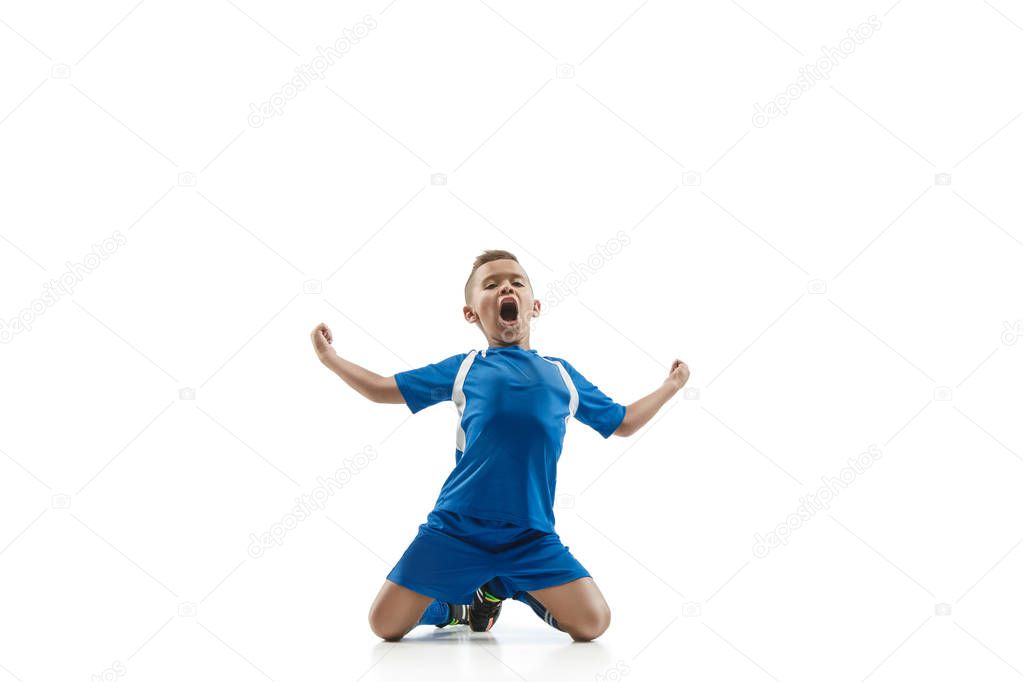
624	429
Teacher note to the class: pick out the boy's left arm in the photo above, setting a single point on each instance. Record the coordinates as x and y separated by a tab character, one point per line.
643	410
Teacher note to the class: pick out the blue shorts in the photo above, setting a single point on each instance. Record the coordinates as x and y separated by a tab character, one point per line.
454	554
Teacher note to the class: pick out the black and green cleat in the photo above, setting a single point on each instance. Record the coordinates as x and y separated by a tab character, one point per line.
458	614
484	610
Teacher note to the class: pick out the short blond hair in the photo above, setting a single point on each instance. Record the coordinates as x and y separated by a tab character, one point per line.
486	257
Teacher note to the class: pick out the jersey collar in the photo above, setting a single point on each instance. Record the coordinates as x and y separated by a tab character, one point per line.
500	349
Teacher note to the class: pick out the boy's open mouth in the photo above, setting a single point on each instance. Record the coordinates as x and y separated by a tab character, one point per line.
509	311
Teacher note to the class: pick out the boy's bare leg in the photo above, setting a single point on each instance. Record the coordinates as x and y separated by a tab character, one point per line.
578	606
396	610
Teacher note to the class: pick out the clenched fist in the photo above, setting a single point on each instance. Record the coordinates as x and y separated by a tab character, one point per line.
678	375
322	338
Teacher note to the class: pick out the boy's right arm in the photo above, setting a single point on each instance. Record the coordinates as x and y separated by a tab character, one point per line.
377	388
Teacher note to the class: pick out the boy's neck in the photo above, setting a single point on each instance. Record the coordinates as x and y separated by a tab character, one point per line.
524	345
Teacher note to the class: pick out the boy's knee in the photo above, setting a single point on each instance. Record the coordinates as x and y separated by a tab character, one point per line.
391	636
383	628
592	625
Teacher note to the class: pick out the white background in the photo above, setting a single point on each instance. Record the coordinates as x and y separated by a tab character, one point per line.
829	292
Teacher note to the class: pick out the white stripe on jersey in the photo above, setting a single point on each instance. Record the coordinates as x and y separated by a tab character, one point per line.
573	399
458	398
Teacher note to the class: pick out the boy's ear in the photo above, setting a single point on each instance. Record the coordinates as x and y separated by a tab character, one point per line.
470	316
536	308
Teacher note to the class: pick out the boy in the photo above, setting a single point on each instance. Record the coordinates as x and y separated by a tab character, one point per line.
491	533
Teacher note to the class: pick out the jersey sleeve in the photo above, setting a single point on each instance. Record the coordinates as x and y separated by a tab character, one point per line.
429	385
595	409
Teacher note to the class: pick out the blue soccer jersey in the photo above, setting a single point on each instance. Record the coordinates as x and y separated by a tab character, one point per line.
513	406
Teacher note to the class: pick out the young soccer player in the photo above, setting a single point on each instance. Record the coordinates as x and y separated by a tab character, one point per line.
491	535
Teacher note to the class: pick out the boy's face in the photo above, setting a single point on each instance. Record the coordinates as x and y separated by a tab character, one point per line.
501	286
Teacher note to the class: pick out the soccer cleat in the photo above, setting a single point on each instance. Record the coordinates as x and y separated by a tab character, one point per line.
484	610
458	614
